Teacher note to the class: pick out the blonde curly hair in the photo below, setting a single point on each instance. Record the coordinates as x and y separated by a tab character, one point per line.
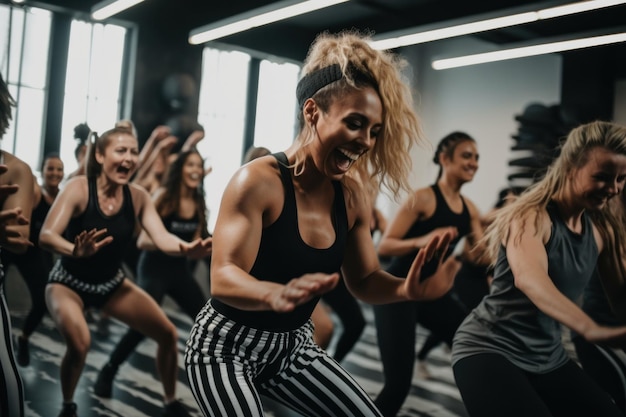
361	65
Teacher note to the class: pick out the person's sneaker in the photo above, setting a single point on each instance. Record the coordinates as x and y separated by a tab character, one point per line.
68	410
422	370
104	383
23	355
102	326
175	409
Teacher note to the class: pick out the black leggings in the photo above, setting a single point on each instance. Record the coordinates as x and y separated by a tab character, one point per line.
34	265
606	366
347	308
491	386
395	327
158	278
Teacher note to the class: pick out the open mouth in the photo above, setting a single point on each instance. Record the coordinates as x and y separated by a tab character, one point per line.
345	158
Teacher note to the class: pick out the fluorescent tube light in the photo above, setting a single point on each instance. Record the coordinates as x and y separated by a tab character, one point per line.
257	17
390	41
108	8
541	49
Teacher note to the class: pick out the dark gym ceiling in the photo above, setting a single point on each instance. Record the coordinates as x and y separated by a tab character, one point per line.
291	38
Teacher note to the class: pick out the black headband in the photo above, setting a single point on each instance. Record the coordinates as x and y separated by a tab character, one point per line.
313	81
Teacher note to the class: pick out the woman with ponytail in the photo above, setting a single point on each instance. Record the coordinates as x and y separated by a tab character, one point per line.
508	357
89	225
427	212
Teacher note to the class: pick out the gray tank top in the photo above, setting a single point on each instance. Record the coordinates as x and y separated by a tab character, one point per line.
508	323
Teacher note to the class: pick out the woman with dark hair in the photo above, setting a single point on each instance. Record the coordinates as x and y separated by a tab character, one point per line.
35	264
181	205
90	224
16	198
428	212
545	246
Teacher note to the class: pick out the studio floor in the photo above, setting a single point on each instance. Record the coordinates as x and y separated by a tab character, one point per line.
137	392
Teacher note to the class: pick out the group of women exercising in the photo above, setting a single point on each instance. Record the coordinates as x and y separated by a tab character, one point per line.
295	227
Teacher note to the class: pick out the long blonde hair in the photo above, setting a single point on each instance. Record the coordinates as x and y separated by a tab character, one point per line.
361	65
574	154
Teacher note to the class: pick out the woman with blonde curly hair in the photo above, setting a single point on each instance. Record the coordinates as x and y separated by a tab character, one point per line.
546	246
288	224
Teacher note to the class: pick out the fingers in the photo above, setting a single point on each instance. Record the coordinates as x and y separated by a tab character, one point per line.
6	190
6	215
300	290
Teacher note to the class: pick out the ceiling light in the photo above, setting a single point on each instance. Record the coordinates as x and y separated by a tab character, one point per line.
396	39
541	49
257	17
108	8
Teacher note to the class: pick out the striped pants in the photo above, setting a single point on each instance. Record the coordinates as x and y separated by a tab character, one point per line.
230	365
11	392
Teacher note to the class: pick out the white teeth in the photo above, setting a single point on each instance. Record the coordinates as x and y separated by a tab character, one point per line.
194	176
352	156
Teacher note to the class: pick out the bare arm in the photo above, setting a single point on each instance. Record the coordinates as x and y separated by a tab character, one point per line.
364	276
529	264
71	201
163	240
253	199
16	229
394	242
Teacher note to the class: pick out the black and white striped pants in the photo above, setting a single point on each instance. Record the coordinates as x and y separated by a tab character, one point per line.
11	391
229	365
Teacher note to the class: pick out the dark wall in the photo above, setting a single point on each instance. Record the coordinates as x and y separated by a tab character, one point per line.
588	81
165	61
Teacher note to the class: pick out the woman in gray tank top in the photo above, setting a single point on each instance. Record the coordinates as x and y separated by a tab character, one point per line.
507	356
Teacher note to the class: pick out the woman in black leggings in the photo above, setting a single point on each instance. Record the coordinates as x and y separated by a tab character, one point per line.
181	205
429	211
508	357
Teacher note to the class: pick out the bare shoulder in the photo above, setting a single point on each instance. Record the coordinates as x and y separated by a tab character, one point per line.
258	180
138	193
533	221
18	170
422	202
76	185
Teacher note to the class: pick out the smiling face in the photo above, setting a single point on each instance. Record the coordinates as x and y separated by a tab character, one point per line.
52	172
192	171
120	156
346	131
464	161
601	178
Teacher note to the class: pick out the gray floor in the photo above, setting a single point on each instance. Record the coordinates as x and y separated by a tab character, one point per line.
137	391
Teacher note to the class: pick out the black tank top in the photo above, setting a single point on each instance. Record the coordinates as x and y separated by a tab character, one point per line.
104	264
442	217
283	255
182	228
37	218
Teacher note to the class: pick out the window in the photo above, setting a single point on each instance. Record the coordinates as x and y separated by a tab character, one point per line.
24	45
222	109
275	103
222	113
92	85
